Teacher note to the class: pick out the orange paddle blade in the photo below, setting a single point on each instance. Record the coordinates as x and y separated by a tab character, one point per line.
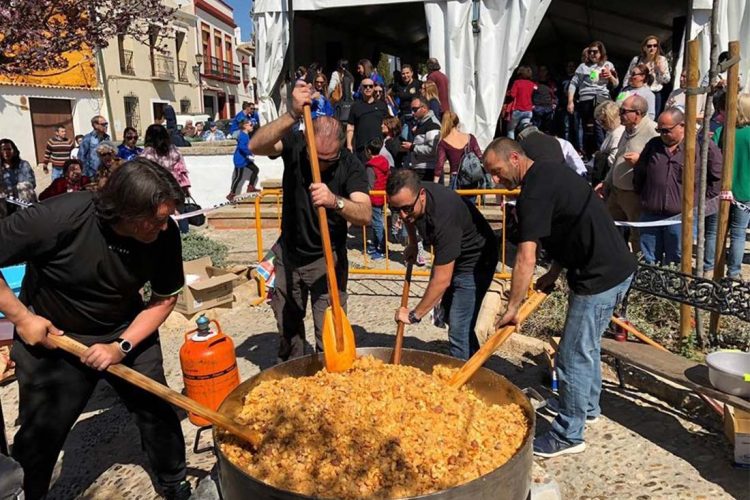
338	360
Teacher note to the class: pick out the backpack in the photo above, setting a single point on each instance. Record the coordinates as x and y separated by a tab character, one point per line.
470	171
338	91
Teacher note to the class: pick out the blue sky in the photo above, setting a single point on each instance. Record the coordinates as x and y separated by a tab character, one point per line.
242	16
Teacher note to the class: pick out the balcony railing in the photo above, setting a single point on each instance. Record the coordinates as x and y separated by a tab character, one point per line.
162	67
222	70
182	71
126	62
245	73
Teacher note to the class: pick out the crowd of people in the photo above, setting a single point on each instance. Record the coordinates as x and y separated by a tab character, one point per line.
609	154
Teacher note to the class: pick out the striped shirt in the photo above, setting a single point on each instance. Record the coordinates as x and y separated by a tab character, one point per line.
58	151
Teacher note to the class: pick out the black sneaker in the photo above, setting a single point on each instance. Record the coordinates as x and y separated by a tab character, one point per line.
548	446
181	491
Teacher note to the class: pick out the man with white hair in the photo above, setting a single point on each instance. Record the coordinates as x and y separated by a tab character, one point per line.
622	200
87	149
300	264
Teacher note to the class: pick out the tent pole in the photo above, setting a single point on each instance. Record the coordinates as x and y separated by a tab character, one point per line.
727	172
703	179
292	67
688	179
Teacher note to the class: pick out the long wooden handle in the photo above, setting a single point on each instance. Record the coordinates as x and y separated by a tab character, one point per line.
482	355
325	235
163	392
631	329
400	329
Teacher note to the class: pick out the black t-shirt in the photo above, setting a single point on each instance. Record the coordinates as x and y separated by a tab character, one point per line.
300	228
542	147
456	231
406	93
80	274
368	121
559	210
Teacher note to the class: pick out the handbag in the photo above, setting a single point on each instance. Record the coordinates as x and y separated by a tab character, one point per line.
342	111
191	206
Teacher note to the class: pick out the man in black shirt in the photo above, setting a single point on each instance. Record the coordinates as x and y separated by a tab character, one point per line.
300	265
559	211
86	258
465	248
365	120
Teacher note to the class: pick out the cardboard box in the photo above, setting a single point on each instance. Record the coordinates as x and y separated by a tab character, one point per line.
205	286
737	429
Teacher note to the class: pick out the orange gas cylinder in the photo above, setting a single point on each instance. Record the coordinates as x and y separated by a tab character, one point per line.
209	366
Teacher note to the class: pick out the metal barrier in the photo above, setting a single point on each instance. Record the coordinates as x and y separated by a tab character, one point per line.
387	270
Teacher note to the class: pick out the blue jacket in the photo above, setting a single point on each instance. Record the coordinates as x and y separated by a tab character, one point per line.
242	155
252	118
128	154
321	107
87	153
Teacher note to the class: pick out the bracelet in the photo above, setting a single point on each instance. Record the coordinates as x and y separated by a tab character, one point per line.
295	118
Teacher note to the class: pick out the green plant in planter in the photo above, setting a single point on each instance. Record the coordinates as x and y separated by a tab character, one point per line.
196	245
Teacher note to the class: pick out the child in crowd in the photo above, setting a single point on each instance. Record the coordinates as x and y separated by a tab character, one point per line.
377	173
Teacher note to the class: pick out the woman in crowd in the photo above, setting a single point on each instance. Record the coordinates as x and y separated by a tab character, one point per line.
159	148
391	129
380	95
453	145
607	114
72	180
17	176
430	92
589	87
128	149
189	129
638	84
342	79
321	106
739	218
521	106
109	161
653	57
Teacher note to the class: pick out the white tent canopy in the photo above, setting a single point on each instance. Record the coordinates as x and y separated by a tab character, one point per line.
479	65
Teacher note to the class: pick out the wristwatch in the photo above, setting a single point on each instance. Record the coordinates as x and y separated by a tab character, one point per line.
339	204
124	345
413	317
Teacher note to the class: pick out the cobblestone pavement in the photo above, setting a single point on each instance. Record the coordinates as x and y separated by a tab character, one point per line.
641	448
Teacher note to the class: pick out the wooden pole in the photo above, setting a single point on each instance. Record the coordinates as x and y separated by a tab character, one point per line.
727	171
400	328
126	373
688	178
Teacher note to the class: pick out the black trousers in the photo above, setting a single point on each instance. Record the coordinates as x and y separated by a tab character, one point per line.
248	173
294	284
54	388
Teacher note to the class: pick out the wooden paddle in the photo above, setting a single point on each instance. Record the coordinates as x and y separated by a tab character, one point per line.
400	329
163	392
339	349
497	339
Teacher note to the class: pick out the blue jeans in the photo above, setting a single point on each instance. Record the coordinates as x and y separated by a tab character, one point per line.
56	173
517	117
579	370
378	232
738	223
462	301
711	225
660	245
543	118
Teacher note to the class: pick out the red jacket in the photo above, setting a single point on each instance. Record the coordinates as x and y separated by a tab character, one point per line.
522	92
380	168
60	186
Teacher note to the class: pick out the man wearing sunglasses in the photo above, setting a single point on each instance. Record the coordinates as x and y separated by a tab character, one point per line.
657	178
617	189
465	254
557	210
87	149
300	265
365	120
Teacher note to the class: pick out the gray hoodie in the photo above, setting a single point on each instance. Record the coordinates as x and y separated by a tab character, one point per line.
424	146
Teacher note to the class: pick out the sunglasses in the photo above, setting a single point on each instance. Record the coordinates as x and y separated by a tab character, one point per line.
131	137
414	110
593	51
652	45
625	111
378	92
325	160
666	130
103	124
636	74
319	81
406	209
367	86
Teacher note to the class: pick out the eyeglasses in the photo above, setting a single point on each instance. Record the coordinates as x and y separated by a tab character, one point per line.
652	45
103	124
666	130
625	111
327	161
406	209
131	137
364	86
414	110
